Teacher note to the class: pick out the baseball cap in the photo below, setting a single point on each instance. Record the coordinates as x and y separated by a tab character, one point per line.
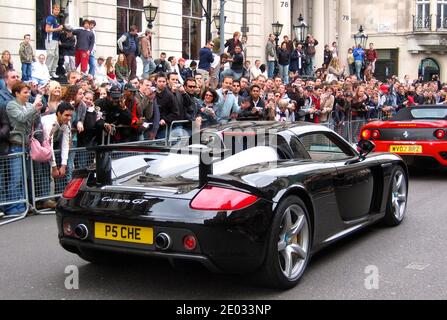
130	87
115	92
384	88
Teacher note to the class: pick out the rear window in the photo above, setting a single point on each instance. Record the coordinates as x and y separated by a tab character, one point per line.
429	113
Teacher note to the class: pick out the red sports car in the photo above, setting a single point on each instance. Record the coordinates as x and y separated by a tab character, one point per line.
416	133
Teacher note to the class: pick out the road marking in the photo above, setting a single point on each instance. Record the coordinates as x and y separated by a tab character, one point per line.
417	266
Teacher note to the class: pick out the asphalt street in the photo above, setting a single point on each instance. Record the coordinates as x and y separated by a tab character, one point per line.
410	262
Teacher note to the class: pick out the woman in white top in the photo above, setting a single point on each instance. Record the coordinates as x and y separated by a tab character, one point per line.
101	72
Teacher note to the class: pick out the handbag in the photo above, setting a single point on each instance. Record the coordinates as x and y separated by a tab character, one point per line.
40	152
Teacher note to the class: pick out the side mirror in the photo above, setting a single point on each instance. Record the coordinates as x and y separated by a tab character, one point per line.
365	147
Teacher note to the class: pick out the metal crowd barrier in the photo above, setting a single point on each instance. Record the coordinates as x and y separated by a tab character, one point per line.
11	166
45	187
349	130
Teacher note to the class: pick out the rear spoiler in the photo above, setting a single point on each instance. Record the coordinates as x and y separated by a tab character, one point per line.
104	159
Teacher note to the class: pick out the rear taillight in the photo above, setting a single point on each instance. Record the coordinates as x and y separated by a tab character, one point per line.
72	188
440	134
366	134
213	198
375	134
190	243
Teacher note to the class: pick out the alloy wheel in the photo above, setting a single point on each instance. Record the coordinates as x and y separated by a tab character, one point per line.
399	195
293	243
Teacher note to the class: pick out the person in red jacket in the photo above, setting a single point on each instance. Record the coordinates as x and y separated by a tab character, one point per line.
371	57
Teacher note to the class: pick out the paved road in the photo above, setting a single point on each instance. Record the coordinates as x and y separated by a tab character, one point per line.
411	262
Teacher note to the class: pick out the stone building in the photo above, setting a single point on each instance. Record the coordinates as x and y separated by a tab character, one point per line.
410	35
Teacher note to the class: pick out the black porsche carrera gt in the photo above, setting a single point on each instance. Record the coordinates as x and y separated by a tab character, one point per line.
241	198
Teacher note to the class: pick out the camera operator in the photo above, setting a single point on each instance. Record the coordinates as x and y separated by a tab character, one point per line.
115	113
358	106
312	106
387	102
227	107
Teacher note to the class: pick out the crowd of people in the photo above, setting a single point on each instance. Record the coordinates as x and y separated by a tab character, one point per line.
117	102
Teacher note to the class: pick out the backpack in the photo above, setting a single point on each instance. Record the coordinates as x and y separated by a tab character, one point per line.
42	28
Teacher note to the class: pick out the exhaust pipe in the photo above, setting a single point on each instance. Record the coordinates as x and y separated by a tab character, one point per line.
163	241
81	231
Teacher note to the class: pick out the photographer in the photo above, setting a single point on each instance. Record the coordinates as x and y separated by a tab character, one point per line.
342	107
227	107
206	115
284	114
358	106
327	105
21	114
312	106
387	102
115	114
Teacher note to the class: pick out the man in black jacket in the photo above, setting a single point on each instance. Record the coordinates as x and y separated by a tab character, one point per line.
184	103
167	104
116	115
67	49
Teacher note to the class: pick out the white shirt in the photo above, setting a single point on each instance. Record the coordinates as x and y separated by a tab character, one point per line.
40	71
101	75
216	62
50	128
255	72
177	70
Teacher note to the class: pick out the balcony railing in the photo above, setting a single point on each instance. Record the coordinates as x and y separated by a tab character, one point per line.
422	23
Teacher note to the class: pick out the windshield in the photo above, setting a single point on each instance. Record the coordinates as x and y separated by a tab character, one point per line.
421	113
238	141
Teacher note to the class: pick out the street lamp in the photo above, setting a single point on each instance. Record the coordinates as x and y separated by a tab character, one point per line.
301	30
277	30
361	38
216	20
150	12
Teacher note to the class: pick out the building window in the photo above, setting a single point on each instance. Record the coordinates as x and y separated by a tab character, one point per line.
442	15
191	29
428	68
423	17
43	10
129	13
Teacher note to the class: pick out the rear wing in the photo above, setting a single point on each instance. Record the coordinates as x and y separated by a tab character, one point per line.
103	157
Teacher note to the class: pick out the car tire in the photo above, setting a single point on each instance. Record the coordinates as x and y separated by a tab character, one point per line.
396	207
289	244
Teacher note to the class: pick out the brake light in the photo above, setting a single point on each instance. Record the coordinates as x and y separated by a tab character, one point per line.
213	198
72	188
366	134
440	134
375	134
